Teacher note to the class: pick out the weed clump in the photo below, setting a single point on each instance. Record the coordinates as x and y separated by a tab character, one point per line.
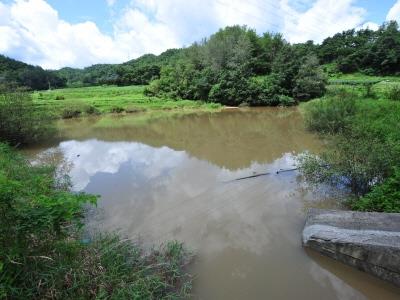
393	93
117	109
69	113
91	110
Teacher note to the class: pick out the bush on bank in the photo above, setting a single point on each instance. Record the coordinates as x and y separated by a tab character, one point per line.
21	121
363	151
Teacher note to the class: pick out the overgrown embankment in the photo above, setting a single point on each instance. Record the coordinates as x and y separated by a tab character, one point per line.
362	125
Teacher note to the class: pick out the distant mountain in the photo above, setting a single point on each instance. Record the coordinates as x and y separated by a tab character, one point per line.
134	72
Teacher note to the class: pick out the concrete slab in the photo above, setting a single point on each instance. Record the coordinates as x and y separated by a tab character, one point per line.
368	241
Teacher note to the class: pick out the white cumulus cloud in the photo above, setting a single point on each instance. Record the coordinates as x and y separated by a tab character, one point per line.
324	18
111	2
394	12
32	30
369	25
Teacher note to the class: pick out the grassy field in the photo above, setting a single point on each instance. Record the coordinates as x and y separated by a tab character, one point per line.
365	86
362	77
73	102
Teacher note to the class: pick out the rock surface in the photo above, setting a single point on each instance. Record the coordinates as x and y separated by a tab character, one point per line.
368	241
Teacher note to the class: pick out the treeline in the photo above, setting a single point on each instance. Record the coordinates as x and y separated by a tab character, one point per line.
233	66
138	71
14	73
236	66
367	51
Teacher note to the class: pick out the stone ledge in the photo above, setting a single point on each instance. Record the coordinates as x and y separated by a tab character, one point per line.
368	241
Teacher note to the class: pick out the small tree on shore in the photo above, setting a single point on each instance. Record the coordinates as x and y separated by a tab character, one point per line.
21	121
311	81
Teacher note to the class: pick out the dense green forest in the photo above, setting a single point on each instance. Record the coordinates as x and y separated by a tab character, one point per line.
138	71
14	73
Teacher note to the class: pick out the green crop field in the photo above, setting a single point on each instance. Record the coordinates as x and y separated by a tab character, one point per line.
71	102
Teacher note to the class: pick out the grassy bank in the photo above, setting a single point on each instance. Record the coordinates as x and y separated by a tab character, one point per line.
73	102
362	125
44	256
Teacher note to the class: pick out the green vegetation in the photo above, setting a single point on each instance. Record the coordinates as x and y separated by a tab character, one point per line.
43	252
21	121
384	197
235	66
74	102
18	74
138	71
367	51
43	255
363	151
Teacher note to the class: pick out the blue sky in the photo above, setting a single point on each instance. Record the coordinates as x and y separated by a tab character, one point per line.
78	33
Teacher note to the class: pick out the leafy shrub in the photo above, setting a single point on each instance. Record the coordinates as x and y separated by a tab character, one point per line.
268	91
117	109
331	115
71	112
393	93
364	148
21	121
355	162
286	100
383	198
92	110
232	89
310	81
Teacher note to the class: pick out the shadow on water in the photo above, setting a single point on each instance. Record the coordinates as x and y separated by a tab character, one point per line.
172	178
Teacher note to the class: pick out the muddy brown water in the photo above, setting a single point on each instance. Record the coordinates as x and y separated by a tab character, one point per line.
163	178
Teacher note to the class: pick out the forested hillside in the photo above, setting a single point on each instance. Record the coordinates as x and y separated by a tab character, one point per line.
138	71
14	73
367	51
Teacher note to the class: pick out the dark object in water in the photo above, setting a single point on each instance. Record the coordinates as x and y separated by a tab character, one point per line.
264	174
288	170
252	176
